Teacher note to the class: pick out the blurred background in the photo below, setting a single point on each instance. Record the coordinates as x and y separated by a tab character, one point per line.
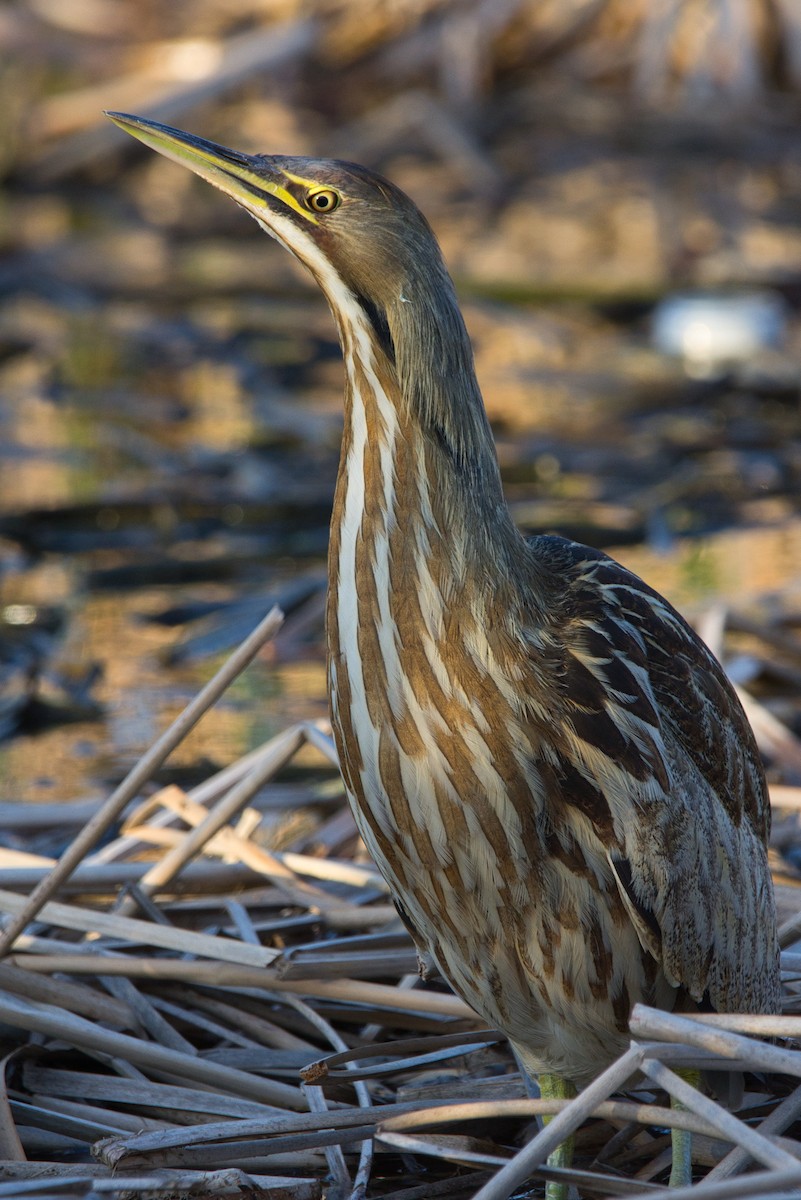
617	188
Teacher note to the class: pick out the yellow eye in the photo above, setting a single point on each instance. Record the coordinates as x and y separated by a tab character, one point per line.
323	200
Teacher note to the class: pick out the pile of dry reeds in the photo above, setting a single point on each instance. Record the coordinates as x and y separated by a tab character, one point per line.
197	1015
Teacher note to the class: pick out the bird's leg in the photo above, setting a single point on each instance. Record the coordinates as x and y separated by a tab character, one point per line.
681	1169
554	1087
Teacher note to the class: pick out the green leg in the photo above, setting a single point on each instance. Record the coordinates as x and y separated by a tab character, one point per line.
681	1170
554	1087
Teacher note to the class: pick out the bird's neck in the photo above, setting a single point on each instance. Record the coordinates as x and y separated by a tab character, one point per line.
419	508
423	558
417	450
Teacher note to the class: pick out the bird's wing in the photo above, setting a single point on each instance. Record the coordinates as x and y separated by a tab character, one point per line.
660	759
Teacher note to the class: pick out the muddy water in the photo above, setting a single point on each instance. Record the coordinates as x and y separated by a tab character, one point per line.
163	477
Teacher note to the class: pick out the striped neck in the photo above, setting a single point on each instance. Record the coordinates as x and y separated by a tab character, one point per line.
424	574
430	356
420	533
416	430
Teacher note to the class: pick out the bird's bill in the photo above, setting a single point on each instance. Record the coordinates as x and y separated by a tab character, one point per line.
250	181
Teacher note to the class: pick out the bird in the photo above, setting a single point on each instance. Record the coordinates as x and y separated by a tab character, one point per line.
547	764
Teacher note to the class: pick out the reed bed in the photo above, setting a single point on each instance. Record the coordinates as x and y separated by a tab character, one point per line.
186	1012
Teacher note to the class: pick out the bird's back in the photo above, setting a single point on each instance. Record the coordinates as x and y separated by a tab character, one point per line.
685	819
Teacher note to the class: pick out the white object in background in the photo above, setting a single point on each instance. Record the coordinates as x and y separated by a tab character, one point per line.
712	331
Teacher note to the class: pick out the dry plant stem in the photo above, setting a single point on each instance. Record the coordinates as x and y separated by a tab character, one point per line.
785	796
205	793
11	1148
261	865
229	1009
790	930
337	1167
165	870
84	1034
758	1186
76	997
669	1027
401	1055
333	870
304	1152
297	1131
485	1110
107	877
148	933
70	1179
589	1183
739	1158
320	738
226	974
150	762
561	1127
150	1020
773	737
363	964
729	1126
284	1133
140	1095
759	1024
283	1126
466	1149
25	817
212	830
401	1049
316	1095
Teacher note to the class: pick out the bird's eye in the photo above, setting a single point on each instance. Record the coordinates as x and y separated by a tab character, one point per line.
323	200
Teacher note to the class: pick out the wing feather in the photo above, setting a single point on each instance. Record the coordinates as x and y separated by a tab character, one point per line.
650	726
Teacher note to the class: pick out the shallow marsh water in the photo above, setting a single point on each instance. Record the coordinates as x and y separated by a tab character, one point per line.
165	476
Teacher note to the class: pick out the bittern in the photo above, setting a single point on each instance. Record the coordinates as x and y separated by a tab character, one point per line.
546	763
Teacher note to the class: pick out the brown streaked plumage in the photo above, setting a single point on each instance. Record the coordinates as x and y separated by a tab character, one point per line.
547	764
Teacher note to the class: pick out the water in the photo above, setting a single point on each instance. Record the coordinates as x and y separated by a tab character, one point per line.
166	471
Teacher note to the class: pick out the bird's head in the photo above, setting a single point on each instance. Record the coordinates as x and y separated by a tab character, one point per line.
360	236
376	259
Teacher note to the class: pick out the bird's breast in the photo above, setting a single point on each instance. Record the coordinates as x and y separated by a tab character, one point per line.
424	686
448	775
